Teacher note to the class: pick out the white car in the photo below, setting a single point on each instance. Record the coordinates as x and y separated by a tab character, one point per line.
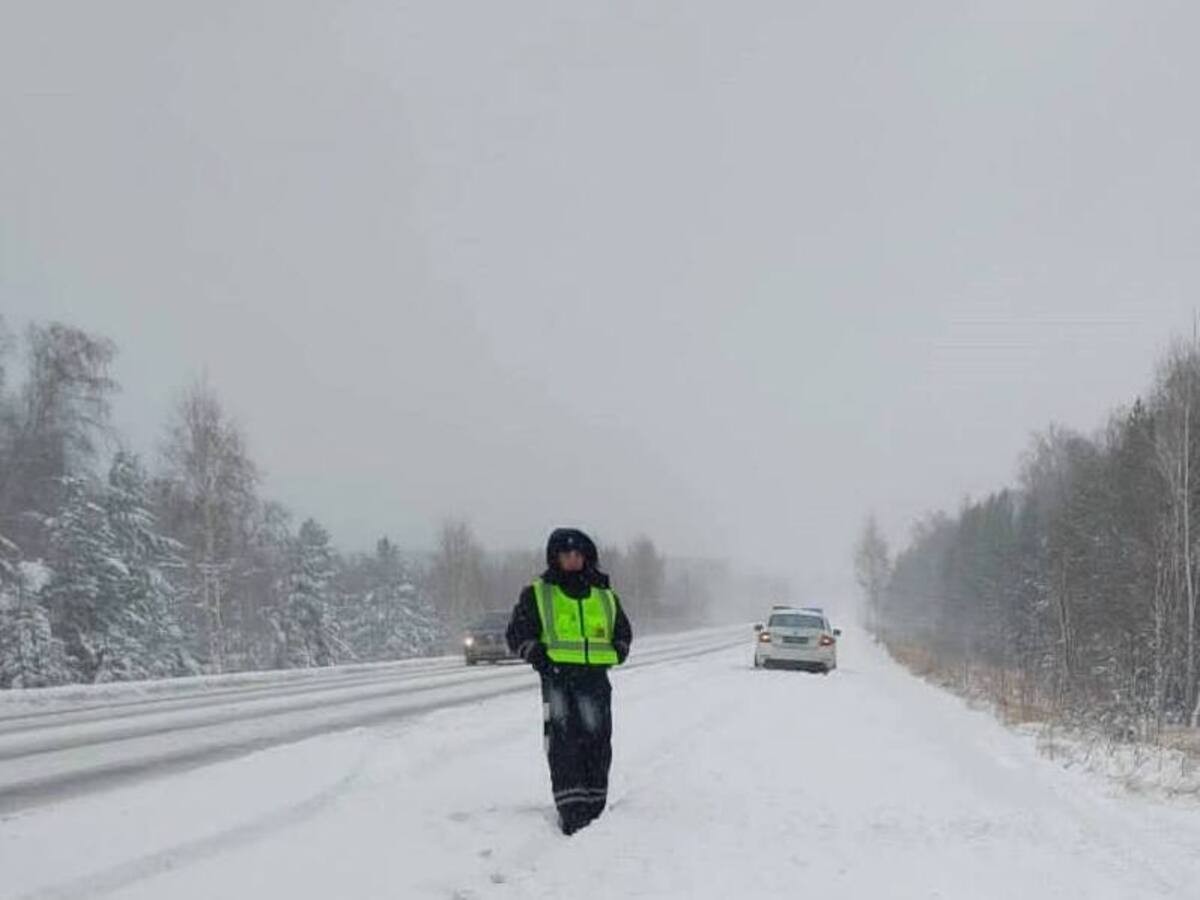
797	637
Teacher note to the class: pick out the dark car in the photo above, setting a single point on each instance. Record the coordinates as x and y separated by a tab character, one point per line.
485	639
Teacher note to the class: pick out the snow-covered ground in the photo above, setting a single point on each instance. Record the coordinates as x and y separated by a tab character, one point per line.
728	782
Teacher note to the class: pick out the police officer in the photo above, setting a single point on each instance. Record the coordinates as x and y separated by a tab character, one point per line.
570	627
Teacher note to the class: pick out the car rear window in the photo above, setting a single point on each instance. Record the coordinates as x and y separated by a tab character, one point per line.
493	620
796	620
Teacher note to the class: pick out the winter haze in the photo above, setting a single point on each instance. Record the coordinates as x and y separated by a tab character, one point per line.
728	274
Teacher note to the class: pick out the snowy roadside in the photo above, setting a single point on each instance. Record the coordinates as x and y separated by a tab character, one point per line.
1167	772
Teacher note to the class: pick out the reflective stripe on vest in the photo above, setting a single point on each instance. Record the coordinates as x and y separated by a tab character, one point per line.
578	632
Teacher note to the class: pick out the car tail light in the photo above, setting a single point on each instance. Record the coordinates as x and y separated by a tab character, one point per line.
826	641
764	637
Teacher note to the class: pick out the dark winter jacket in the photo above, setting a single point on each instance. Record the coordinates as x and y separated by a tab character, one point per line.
525	628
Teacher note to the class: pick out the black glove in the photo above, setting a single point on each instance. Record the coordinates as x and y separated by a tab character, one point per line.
622	649
537	658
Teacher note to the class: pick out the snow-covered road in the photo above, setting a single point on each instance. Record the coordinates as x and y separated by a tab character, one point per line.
74	740
728	782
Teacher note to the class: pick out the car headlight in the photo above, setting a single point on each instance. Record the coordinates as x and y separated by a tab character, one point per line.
469	642
764	637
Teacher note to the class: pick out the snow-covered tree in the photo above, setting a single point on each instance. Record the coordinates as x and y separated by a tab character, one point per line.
30	656
306	628
644	579
49	429
267	575
209	504
387	615
871	568
144	634
456	575
110	599
83	593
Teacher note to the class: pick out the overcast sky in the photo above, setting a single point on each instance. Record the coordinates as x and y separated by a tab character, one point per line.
731	274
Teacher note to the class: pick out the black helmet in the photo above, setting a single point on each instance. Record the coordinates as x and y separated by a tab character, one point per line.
563	540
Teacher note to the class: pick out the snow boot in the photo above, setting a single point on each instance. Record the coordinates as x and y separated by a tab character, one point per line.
572	821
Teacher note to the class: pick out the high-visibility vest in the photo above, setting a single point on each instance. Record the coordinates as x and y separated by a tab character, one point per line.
579	632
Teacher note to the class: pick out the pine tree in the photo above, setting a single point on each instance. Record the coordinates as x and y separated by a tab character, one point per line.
144	634
306	627
111	602
268	559
390	617
85	583
643	580
30	656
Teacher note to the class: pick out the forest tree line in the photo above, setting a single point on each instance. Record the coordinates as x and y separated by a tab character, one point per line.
1072	595
115	567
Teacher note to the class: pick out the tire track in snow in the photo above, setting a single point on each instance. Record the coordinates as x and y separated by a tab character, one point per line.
113	879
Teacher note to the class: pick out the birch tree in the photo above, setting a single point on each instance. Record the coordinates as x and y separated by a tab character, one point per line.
1177	441
210	504
871	569
456	576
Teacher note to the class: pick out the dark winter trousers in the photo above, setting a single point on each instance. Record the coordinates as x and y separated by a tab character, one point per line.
577	712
